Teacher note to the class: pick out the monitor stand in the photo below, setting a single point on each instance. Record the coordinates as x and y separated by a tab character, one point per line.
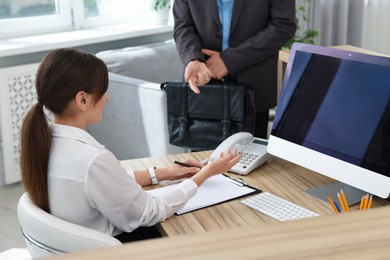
353	195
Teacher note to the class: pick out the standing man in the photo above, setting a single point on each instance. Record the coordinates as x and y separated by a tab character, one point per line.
235	40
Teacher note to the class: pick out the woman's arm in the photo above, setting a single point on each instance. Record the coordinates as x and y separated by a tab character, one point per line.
173	172
199	173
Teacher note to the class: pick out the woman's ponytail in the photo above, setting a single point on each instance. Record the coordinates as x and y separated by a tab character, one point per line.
35	143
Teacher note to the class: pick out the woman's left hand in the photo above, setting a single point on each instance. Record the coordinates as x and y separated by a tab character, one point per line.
176	171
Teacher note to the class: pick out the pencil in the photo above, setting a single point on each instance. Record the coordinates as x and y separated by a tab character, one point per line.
341	202
365	201
369	202
361	203
344	200
337	206
332	204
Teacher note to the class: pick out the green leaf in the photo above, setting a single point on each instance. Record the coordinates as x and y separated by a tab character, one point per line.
307	36
160	4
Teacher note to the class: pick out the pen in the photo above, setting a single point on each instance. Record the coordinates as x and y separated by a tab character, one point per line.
184	164
332	204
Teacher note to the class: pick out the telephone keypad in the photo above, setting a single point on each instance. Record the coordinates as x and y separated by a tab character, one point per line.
247	159
253	155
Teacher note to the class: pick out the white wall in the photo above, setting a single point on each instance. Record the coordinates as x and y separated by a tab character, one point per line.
362	23
376	26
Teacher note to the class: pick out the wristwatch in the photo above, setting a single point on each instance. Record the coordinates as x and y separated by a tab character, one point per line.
152	174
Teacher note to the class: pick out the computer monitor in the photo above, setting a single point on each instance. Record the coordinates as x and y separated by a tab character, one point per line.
333	117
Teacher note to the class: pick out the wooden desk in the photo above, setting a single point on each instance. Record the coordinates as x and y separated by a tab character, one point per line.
233	231
280	177
357	235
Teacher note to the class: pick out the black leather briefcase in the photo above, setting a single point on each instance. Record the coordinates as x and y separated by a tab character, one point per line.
202	121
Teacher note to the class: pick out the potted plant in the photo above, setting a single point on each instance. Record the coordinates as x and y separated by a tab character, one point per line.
161	10
307	36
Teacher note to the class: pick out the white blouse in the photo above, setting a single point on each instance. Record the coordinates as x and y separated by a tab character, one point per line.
88	186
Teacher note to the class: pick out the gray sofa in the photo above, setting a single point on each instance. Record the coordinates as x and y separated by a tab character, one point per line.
134	123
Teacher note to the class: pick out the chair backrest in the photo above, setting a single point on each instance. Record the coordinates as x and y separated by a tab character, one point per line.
46	234
154	62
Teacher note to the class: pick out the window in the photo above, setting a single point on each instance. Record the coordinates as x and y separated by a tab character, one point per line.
21	17
15	9
104	12
18	17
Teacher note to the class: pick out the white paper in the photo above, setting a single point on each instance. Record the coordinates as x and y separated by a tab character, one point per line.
214	190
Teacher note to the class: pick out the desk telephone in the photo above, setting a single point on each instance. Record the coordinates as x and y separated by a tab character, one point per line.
254	151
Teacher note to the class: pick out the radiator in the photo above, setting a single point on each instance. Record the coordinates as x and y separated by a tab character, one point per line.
17	95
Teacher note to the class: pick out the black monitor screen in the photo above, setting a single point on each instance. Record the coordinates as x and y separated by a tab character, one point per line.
338	106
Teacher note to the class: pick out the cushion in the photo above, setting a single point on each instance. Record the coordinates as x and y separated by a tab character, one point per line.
158	62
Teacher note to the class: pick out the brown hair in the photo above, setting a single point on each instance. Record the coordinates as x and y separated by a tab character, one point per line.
60	76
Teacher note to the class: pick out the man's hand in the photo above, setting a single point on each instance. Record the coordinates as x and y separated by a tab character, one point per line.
197	74
215	64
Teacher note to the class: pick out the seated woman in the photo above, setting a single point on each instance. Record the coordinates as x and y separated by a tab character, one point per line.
68	173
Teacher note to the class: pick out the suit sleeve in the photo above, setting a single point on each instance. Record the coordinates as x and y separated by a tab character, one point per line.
185	33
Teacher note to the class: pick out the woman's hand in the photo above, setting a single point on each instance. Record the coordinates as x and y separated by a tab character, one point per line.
223	164
198	173
176	171
179	172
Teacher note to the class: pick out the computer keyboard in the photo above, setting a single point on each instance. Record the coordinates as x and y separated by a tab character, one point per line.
277	208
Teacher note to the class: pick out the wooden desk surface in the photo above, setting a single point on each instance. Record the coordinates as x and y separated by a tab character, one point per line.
355	235
280	177
233	231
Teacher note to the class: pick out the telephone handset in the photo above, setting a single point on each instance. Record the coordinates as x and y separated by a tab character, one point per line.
254	151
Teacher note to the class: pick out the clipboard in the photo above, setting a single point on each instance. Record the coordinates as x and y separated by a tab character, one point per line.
215	190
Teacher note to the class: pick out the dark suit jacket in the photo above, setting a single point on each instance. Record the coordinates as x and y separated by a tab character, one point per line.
259	29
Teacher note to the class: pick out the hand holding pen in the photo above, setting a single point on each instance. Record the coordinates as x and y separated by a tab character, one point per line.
187	164
182	170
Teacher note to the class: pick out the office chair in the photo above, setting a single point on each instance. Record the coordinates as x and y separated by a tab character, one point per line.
46	234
